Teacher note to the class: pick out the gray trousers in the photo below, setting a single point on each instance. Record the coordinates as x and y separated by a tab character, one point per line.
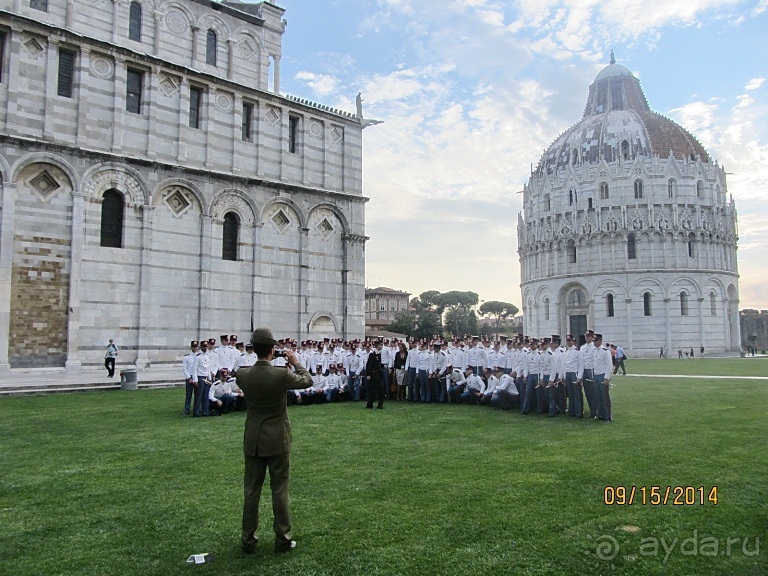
253	480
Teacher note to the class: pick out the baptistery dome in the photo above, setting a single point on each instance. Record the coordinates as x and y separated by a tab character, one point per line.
626	224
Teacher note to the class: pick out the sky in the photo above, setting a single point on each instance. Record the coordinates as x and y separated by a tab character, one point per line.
472	92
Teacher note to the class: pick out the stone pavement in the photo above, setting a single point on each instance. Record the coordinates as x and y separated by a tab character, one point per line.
23	381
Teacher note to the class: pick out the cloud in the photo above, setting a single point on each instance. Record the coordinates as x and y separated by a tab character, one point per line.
755	83
322	85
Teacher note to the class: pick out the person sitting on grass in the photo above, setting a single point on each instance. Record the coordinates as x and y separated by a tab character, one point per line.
505	396
315	394
493	380
224	393
456	383
332	385
474	389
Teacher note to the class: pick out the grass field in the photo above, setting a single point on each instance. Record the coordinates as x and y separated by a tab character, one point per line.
757	366
121	483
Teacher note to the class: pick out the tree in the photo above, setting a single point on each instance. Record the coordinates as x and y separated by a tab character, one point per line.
498	311
458	324
416	325
404	323
428	301
458	306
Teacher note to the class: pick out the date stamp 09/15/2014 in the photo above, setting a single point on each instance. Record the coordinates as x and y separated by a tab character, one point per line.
660	495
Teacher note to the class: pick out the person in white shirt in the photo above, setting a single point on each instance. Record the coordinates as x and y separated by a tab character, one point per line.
332	385
505	396
476	357
222	354
424	364
190	378
248	358
493	380
603	370
204	369
532	374
475	387
315	394
437	372
222	393
551	375
573	365
456	384
411	368
588	356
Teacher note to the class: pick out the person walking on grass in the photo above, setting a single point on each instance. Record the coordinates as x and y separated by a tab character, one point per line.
267	437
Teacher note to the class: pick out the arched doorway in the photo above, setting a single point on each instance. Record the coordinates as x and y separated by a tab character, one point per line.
322	326
576	311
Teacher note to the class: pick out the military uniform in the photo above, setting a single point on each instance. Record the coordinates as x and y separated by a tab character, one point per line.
267	441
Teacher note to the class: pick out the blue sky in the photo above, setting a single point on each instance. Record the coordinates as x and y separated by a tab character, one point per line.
472	92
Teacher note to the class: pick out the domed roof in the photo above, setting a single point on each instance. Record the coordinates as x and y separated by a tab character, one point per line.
618	122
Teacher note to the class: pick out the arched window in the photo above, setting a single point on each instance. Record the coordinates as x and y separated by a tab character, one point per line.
638	189
700	189
647	304
575	157
604	191
112	209
546	308
684	303
230	237
134	22
691	246
609	302
571	252
210	48
631	247
672	187
625	150
547	203
572	196
712	303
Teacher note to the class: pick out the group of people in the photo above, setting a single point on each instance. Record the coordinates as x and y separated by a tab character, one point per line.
209	375
530	374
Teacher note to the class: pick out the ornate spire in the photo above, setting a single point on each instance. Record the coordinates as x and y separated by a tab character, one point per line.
613	58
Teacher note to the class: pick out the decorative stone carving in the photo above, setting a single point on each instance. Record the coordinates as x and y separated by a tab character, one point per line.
280	220
316	129
176	199
101	66
34	47
272	116
337	134
111	178
44	185
176	21
325	228
245	48
224	101
168	84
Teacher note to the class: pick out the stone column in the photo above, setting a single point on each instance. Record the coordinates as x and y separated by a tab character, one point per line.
70	17
51	78
204	300
195	35
6	266
629	341
158	16
208	124
75	291
256	290
667	322
230	58
302	315
256	139
183	120
276	87
145	286
152	91
701	321
118	108
115	20
82	101
13	72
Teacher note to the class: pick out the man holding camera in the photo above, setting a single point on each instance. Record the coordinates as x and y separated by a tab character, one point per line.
267	438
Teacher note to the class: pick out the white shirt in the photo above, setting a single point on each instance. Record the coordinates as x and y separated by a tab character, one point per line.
588	355
506	384
603	362
188	365
476	383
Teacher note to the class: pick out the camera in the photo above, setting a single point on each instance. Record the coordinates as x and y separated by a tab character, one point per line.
279	354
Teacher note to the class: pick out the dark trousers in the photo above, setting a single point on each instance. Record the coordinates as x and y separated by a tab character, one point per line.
190	390
253	480
376	391
109	364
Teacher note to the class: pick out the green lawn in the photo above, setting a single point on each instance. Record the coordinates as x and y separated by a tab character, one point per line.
757	366
121	483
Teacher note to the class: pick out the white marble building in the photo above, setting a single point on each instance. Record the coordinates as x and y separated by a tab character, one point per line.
157	187
628	229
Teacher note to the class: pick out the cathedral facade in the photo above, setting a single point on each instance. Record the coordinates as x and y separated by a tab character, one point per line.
628	229
157	187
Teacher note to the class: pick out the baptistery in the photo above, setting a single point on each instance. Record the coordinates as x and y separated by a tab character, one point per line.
628	229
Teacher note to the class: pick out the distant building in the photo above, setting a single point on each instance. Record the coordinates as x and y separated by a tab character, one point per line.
628	229
157	187
382	305
754	329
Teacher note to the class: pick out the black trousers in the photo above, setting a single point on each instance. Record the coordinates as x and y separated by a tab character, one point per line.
376	390
109	364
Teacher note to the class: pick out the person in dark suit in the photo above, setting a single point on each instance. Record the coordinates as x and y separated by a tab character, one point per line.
375	376
267	437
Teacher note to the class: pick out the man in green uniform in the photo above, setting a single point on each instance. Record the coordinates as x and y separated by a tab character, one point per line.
267	438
